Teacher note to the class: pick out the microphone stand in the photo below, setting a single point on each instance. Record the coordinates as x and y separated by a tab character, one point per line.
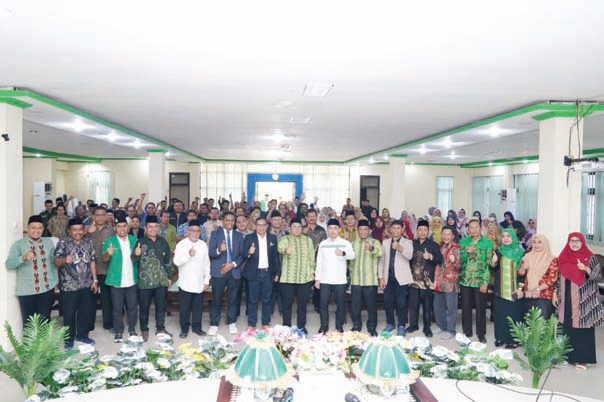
554	362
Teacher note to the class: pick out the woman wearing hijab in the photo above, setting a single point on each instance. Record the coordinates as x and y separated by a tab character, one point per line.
452	223
506	264
437	213
411	219
462	222
436	225
578	300
494	235
540	267
509	221
431	211
378	229
527	241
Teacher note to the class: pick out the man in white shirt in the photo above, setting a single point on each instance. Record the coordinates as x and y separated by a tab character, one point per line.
330	274
212	224
193	262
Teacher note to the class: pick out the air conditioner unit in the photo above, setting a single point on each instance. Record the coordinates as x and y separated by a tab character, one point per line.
507	197
42	192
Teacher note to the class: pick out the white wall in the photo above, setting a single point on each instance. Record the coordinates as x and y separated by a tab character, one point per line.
36	170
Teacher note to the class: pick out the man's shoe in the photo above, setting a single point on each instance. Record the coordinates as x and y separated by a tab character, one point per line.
163	331
469	336
86	340
132	333
340	330
389	328
401	331
356	329
411	329
447	335
145	336
213	330
322	330
373	333
183	334
199	332
233	329
428	333
482	339
305	331
68	345
498	343
437	330
117	338
512	345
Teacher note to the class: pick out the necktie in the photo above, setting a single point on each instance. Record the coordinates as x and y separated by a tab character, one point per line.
229	249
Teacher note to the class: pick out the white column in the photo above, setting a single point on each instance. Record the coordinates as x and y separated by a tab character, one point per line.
559	204
396	201
11	212
157	172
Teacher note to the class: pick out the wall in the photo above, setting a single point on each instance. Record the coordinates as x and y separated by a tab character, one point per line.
34	170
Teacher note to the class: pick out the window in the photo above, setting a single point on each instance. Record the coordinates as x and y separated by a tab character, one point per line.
99	186
179	187
526	196
592	207
485	197
444	193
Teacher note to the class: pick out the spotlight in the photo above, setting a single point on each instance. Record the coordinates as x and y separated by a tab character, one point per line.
5	137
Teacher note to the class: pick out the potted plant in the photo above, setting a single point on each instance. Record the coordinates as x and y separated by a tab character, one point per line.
38	356
542	341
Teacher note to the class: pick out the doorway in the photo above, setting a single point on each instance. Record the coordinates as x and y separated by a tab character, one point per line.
179	187
370	189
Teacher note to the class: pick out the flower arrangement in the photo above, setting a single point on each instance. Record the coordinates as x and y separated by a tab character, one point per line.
133	365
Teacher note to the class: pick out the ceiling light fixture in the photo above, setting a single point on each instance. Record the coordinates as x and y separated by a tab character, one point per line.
495	132
78	126
446	142
490	163
137	144
526	161
452	156
112	136
38	155
423	150
317	89
385	157
371	160
278	135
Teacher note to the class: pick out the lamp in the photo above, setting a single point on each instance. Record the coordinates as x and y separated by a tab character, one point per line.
383	367
260	367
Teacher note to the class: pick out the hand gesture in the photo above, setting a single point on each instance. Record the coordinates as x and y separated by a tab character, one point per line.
252	249
494	259
290	249
276	278
581	266
192	251
226	267
451	258
396	245
143	195
29	255
223	246
426	255
92	229
137	250
339	253
69	258
317	284
367	245
95	287
483	288
110	250
470	249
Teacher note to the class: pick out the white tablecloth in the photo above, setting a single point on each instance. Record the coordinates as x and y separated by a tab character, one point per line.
206	391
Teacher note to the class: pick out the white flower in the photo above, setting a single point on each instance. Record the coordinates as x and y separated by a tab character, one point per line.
439	371
190	376
221	340
144	366
128	349
486	369
68	390
504	354
462	339
110	372
107	358
453	356
135	339
86	349
515	379
477	346
61	376
419	342
424	356
165	347
404	343
98	384
163	338
440	351
163	362
33	398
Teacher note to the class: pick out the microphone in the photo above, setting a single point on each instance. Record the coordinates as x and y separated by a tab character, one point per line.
553	364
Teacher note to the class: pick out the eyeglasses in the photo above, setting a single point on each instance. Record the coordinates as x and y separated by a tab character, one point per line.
575	241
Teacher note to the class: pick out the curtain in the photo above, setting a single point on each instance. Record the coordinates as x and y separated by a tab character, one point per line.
444	193
485	195
99	186
592	207
526	196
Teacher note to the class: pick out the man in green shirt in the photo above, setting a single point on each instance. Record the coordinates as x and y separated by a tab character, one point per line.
364	278
154	276
122	276
474	277
46	215
32	257
297	272
167	230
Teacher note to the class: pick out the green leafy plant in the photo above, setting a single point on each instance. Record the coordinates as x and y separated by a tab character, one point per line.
542	342
38	356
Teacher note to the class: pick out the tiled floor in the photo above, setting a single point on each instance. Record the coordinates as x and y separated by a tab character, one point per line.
567	379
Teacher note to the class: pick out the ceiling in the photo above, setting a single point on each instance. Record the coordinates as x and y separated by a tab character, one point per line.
225	80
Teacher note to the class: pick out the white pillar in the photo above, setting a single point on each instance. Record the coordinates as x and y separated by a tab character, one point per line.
396	201
559	204
11	212
157	172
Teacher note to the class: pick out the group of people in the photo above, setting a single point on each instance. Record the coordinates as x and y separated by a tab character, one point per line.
294	252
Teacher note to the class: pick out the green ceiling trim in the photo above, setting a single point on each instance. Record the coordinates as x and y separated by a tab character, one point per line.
8	94
38	157
163	151
274	161
593	151
433	164
15	102
520	159
399	155
61	155
568	113
124	159
561	108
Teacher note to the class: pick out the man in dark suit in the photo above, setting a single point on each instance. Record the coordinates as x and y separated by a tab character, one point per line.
261	269
226	256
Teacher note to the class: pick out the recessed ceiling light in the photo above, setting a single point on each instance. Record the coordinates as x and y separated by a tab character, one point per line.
452	156
385	157
278	135
446	143
137	144
490	163
38	155
495	132
112	136
423	150
317	88
526	161
168	154
78	126
371	160
299	120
